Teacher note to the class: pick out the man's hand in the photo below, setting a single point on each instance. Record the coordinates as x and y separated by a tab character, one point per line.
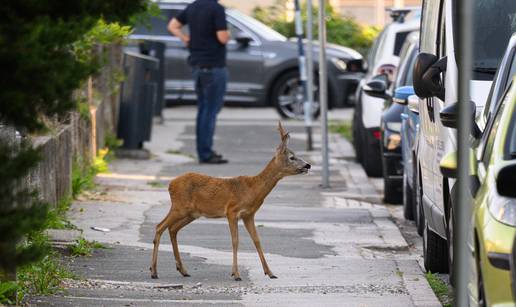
185	39
174	27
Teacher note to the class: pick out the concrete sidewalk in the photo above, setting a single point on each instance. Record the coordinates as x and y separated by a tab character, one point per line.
328	247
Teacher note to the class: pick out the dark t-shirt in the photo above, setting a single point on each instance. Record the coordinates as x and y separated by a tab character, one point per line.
205	18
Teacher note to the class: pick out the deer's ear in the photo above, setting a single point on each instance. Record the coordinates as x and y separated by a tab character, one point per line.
283	134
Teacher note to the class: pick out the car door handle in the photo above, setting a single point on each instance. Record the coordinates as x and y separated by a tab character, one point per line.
404	116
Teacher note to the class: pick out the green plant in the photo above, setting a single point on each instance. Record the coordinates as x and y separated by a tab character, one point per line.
43	277
341	30
156	184
440	289
41	70
83	247
8	292
343	128
56	218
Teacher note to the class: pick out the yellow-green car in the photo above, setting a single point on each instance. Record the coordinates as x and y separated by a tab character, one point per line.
494	212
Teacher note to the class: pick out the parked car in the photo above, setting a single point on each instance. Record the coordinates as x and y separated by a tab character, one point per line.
262	64
435	82
382	60
494	199
390	127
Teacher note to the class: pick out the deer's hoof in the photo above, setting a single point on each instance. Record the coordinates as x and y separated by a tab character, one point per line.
154	276
238	279
185	274
273	277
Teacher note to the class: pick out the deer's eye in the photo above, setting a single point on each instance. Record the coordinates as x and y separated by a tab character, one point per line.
292	158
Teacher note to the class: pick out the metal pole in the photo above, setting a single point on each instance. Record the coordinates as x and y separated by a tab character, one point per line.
462	209
301	54
323	96
309	102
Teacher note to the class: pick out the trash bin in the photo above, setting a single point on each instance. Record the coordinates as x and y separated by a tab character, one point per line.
137	100
157	50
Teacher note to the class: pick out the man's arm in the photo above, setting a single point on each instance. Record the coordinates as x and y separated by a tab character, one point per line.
174	27
223	36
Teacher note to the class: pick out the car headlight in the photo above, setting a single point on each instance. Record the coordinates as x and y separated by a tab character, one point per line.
502	208
393	126
339	63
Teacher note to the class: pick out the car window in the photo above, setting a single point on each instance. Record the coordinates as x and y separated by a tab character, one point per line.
157	25
511	139
381	47
257	27
495	22
489	138
372	52
497	90
429	22
409	80
399	40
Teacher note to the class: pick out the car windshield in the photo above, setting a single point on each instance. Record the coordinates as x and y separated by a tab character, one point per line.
258	27
495	21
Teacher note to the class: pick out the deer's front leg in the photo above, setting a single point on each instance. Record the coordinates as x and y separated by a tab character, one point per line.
233	228
251	228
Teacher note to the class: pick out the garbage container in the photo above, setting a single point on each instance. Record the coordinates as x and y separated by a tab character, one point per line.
137	100
157	50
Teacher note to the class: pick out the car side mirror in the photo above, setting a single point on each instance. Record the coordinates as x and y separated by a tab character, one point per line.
449	117
377	87
449	168
506	180
413	104
401	94
427	75
243	39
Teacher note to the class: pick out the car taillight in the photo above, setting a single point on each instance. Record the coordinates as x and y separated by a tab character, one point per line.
387	69
377	134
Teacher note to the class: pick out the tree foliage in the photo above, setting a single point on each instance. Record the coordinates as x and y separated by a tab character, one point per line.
44	59
344	31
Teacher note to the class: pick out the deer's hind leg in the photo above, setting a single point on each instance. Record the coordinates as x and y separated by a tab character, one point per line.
173	230
171	219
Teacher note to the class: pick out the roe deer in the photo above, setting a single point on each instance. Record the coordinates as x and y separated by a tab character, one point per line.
195	195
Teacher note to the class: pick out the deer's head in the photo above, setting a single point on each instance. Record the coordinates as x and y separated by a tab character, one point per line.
286	159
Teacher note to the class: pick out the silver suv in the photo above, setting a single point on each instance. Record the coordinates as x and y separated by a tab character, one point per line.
262	64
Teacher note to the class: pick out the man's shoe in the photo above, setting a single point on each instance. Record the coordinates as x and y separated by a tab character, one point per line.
214	160
216	154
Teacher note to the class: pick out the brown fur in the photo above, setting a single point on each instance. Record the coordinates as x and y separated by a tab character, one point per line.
194	195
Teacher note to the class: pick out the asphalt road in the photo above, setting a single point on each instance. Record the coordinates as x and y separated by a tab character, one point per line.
328	247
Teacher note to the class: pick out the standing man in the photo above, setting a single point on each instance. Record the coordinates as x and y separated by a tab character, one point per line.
207	44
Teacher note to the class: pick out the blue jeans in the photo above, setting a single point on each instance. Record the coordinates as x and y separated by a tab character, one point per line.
210	87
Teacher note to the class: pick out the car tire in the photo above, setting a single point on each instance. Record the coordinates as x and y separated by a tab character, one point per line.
371	156
408	198
284	93
435	251
481	300
357	134
420	213
391	194
450	226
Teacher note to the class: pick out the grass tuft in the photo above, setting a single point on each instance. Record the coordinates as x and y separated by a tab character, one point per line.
157	184
343	128
440	289
83	247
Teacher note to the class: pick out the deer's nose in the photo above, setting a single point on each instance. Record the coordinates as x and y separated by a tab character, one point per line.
308	166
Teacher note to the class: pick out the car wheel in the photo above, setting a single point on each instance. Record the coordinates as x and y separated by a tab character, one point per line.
371	156
435	251
420	213
408	205
287	96
391	194
481	292
449	239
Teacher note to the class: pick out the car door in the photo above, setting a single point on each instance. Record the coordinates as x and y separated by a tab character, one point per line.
440	134
176	69
426	152
245	65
